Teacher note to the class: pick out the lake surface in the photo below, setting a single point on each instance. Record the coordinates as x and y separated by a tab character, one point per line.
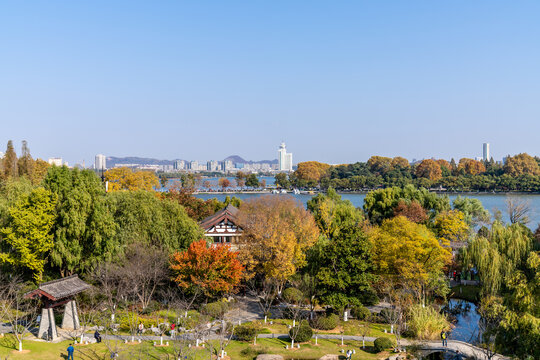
490	201
467	320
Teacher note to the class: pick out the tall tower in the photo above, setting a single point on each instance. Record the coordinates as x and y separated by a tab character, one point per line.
285	159
100	162
485	152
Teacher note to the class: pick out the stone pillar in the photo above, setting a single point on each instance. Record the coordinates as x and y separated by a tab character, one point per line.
71	317
47	324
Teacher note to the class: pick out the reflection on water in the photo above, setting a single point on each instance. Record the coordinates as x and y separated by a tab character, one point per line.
465	318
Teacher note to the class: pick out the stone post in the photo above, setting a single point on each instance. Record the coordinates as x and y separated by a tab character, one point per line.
71	317
47	324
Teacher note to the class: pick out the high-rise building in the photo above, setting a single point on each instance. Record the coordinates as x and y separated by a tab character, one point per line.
485	152
179	165
212	165
285	158
101	162
55	161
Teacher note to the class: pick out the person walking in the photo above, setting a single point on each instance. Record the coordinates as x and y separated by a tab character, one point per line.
70	351
443	338
349	354
140	329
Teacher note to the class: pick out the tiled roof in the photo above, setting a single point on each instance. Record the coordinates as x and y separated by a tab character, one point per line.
229	212
60	288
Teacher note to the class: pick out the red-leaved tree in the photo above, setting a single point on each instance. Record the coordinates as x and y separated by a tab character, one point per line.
213	270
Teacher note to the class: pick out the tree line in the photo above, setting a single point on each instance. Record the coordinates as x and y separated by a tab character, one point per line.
518	173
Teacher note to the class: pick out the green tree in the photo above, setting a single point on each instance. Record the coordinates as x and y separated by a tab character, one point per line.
473	210
25	163
380	204
252	181
143	217
9	163
343	268
27	239
282	180
84	229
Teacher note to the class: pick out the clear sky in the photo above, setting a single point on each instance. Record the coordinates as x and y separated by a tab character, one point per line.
337	81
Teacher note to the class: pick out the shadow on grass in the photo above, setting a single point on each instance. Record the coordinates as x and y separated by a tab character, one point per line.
9	342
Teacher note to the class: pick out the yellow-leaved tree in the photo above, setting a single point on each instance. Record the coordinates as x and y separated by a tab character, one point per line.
411	252
276	232
123	178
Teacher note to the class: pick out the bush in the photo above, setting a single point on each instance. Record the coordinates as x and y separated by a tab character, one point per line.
382	344
387	315
369	297
292	295
328	322
303	332
215	309
360	312
426	323
246	332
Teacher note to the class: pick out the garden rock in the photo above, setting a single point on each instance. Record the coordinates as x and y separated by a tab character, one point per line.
269	357
330	357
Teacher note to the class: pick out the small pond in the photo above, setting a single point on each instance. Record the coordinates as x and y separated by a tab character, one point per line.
466	320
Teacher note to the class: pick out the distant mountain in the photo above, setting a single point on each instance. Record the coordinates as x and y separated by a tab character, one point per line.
239	159
113	161
117	161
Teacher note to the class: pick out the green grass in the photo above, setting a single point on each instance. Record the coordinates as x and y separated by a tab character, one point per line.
236	350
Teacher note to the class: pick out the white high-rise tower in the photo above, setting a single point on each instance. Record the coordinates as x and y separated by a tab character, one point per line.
285	159
100	162
485	153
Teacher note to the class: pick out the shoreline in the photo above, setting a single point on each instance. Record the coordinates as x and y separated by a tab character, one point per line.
364	192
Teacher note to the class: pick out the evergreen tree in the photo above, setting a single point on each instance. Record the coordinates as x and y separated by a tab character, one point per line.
25	162
10	162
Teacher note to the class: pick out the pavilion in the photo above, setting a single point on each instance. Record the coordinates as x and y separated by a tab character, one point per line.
57	293
222	227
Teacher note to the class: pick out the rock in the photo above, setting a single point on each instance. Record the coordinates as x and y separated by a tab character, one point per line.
330	357
269	357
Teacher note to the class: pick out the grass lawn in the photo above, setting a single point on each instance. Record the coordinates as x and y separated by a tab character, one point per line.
280	326
236	350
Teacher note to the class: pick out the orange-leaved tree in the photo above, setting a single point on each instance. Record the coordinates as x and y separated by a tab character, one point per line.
123	178
214	270
429	169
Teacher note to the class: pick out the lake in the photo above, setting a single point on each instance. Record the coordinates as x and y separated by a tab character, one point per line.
490	201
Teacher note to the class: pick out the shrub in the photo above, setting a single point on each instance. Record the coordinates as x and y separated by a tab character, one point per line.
382	344
246	332
303	332
215	309
360	312
328	322
292	295
387	315
426	322
369	297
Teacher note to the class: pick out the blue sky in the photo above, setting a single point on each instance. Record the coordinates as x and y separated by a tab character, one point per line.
337	80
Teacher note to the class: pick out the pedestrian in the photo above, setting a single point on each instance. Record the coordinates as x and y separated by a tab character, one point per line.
70	351
173	326
97	336
443	338
140	329
349	354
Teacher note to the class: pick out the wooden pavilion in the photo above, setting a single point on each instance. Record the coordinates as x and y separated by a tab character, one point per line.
222	227
57	293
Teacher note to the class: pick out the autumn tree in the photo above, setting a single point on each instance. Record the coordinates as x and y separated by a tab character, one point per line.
123	178
379	164
429	169
41	167
241	179
213	269
224	183
412	210
27	239
399	163
451	226
277	231
410	251
309	173
470	166
521	164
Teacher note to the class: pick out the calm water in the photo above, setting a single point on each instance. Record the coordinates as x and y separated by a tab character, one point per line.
467	319
491	202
